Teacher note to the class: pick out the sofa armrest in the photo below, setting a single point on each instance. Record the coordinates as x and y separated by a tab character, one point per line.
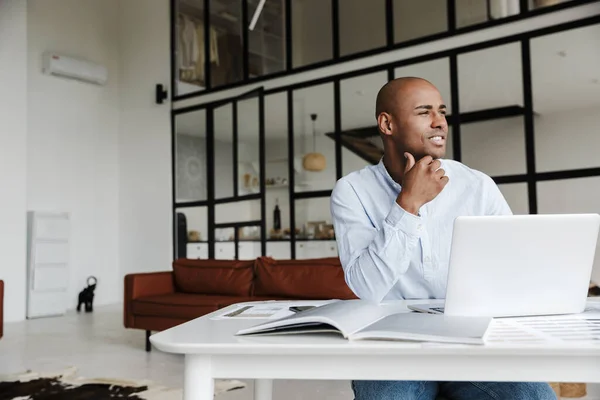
145	284
1	308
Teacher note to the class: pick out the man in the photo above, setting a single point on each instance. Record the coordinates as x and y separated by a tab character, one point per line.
393	224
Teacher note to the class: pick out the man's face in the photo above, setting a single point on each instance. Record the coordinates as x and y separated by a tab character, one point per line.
419	121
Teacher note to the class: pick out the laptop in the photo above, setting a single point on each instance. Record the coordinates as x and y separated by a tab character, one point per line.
519	265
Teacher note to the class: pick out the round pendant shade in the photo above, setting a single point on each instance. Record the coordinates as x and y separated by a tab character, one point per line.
314	162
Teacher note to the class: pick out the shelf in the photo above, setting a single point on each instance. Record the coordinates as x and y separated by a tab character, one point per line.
285	185
274	240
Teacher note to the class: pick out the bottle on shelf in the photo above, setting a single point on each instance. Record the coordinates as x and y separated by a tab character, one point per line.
276	216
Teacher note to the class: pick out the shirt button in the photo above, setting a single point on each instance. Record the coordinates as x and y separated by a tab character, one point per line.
427	259
419	227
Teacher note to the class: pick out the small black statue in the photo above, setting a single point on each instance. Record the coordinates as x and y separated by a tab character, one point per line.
86	296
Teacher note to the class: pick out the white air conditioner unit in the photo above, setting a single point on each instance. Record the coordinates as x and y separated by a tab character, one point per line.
72	68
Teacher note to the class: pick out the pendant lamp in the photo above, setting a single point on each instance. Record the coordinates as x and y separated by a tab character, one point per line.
314	161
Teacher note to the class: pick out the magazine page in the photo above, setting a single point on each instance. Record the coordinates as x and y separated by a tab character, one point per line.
427	327
345	316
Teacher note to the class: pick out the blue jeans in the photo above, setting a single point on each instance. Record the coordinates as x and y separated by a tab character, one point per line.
424	390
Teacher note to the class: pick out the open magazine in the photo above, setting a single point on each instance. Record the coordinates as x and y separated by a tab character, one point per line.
359	319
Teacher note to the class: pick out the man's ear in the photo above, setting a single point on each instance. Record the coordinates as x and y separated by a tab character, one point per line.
384	122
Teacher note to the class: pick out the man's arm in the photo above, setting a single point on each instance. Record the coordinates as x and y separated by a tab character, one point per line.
373	259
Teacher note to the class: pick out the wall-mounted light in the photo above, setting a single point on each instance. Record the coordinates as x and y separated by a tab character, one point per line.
160	93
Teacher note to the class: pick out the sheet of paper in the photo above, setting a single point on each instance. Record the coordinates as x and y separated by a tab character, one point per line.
574	329
259	311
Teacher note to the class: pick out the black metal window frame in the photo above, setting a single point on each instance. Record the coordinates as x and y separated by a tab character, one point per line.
531	177
452	30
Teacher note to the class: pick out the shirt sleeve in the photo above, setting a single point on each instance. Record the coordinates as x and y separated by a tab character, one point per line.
373	259
495	203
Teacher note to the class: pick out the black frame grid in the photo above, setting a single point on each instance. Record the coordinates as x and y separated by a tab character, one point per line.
212	201
531	177
451	30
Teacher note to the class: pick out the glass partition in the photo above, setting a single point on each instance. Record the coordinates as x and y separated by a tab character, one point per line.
314	141
311	32
496	147
189	51
248	154
416	19
516	195
362	26
266	42
238	211
190	157
490	81
313	219
277	166
226	42
566	97
490	78
361	141
537	4
223	151
191	232
472	12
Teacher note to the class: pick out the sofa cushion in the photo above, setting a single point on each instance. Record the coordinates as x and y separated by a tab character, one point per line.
182	305
321	278
218	277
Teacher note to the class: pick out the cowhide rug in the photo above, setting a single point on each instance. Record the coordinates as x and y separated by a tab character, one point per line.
65	385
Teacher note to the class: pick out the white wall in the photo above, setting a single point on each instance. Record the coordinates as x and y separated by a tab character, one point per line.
13	154
145	217
73	136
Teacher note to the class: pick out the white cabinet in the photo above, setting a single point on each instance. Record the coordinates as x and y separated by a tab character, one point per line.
315	249
248	250
225	251
48	257
279	250
197	250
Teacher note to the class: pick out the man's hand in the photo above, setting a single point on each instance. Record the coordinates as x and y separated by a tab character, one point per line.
422	182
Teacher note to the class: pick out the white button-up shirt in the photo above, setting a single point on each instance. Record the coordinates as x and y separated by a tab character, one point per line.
388	253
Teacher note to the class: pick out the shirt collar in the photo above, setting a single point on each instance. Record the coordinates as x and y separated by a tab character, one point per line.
386	176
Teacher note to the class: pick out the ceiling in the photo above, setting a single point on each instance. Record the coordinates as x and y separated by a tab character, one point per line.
565	77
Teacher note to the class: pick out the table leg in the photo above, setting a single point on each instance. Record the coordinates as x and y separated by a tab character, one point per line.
263	389
198	382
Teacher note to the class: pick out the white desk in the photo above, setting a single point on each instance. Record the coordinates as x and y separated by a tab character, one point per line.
212	351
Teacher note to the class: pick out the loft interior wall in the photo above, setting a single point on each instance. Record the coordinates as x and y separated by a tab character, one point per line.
13	156
380	60
73	137
145	191
550	124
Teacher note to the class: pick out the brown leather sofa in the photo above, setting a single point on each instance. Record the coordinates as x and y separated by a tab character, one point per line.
1	308
156	301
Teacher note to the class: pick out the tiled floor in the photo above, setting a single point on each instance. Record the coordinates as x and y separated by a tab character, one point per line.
99	346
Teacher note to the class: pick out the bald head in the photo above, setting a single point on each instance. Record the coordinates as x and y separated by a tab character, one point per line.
411	117
393	91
